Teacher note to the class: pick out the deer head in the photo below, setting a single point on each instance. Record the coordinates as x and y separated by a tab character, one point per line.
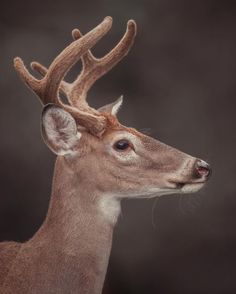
121	161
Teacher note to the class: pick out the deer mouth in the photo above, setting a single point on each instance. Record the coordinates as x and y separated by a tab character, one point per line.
187	187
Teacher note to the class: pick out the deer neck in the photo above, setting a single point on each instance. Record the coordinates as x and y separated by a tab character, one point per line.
79	227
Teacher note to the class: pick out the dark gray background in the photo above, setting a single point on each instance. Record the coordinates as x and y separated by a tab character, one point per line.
179	81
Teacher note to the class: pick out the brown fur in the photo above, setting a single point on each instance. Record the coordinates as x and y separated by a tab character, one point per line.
8	252
69	254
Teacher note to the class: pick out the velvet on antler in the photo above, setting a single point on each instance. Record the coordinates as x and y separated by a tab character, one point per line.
52	83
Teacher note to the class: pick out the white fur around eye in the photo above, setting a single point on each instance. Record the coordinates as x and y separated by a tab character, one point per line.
127	155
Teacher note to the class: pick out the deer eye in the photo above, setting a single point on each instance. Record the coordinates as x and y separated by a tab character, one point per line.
122	145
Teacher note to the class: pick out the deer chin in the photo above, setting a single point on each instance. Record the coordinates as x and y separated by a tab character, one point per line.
187	187
192	187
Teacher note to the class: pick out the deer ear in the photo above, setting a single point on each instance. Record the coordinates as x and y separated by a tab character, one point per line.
112	108
59	130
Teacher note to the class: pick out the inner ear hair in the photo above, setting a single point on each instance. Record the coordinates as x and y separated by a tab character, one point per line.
113	107
59	130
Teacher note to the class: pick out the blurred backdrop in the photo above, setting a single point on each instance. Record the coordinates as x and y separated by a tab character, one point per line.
179	82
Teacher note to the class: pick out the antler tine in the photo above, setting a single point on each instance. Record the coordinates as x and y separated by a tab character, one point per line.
87	59
94	68
47	87
42	70
29	80
95	124
65	87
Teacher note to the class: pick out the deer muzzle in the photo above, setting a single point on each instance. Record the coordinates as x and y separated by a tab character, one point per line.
193	175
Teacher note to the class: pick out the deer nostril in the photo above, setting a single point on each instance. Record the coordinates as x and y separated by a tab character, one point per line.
203	169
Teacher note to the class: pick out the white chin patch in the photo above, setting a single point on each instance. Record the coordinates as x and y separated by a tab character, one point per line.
191	188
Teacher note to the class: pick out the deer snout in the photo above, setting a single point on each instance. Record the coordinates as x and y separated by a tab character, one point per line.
202	169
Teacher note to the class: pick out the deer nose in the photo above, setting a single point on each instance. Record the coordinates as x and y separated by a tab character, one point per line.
203	169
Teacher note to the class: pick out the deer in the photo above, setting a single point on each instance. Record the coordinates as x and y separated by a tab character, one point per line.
99	162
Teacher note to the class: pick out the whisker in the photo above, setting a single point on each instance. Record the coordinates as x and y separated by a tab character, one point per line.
188	204
146	131
153	210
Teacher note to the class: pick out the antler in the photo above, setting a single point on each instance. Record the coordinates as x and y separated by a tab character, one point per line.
48	87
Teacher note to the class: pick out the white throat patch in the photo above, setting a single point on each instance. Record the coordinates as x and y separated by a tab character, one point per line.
110	207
